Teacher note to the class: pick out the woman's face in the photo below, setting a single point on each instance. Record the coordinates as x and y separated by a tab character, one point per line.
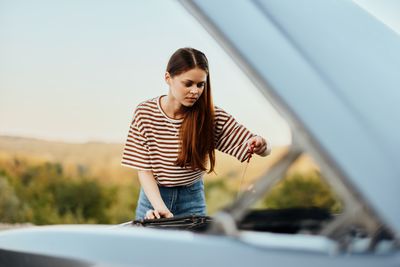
187	87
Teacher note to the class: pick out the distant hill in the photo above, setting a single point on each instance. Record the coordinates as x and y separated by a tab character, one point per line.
94	159
102	160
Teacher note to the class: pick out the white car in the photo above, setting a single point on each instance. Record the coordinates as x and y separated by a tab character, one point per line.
333	71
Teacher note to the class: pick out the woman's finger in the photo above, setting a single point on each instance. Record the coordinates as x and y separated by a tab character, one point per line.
258	146
149	214
260	150
263	148
157	214
256	141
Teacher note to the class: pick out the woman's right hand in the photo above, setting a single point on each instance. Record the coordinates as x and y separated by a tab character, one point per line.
152	214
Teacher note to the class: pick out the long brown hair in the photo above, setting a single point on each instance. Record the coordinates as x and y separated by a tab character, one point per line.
197	130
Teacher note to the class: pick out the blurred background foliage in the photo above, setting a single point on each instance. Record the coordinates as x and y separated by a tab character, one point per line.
43	194
86	184
294	190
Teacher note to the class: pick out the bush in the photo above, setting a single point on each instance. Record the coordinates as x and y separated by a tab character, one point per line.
9	202
43	195
299	190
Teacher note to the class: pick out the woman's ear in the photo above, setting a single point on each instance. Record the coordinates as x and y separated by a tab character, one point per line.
167	78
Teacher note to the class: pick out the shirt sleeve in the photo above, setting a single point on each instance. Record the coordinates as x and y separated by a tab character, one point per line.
231	137
136	151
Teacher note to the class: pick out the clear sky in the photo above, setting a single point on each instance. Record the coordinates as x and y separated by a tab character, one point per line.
75	70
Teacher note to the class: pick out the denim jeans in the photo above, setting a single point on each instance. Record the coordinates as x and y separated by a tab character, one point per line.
180	200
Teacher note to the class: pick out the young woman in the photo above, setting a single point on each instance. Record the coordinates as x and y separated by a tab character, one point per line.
172	138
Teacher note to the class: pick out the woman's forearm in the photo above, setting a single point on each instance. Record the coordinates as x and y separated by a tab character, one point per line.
150	187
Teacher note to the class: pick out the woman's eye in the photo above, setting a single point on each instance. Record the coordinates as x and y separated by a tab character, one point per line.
199	85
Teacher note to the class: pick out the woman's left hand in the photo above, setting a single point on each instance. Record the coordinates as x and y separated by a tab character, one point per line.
259	146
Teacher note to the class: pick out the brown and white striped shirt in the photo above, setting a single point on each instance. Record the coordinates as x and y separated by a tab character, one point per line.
153	143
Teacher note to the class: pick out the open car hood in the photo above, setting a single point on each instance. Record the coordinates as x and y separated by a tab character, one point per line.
332	70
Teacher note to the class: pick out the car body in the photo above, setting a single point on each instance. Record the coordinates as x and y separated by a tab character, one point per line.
332	71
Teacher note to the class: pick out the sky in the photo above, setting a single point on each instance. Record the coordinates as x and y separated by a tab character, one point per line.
75	70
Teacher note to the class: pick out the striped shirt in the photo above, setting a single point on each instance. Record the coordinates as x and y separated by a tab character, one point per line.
153	143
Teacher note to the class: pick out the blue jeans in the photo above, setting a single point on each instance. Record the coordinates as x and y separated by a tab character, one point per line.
180	200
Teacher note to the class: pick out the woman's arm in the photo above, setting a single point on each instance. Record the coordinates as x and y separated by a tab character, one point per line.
235	139
152	192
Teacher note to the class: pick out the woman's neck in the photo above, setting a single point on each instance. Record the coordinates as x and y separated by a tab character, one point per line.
171	107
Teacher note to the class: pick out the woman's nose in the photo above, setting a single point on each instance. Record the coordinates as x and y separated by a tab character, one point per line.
194	90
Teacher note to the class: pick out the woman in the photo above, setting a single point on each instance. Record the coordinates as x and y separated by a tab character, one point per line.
173	137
